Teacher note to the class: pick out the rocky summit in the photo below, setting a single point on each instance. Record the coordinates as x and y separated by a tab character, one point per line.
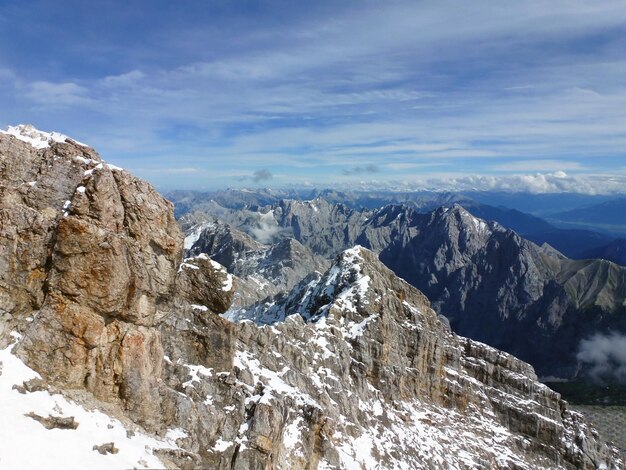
114	354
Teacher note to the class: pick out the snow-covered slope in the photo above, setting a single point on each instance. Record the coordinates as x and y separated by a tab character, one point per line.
360	354
26	443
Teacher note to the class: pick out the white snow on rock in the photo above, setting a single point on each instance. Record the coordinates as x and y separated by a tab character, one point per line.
38	139
26	443
193	237
272	380
227	285
221	446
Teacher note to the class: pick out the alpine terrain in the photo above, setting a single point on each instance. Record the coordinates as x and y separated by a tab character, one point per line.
492	284
114	354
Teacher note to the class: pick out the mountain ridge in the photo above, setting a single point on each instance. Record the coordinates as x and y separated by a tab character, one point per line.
491	283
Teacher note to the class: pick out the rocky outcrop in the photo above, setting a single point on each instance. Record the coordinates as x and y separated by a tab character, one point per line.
365	374
90	267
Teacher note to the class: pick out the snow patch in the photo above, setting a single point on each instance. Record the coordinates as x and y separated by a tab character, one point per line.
27	444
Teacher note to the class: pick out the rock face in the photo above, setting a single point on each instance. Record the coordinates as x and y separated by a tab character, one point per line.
365	375
92	254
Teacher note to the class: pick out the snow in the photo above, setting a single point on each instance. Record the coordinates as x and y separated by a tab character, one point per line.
36	138
194	372
292	434
186	265
480	225
193	237
81	189
227	284
86	161
357	329
26	443
176	433
272	380
221	446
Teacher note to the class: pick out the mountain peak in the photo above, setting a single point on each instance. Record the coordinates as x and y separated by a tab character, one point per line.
463	217
33	136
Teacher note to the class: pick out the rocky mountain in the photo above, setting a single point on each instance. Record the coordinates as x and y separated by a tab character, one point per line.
492	284
230	205
608	216
261	270
100	311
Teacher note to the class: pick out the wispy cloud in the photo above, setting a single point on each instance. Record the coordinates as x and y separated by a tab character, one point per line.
538	165
58	94
605	355
359	170
323	92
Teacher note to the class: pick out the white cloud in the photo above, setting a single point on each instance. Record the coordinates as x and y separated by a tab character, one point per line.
58	94
399	85
123	80
557	182
556	166
605	355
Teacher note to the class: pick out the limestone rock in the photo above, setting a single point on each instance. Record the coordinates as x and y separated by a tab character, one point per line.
55	422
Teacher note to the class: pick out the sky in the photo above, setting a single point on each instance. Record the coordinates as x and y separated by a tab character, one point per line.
225	93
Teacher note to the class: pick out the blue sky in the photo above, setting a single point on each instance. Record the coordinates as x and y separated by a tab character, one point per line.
209	94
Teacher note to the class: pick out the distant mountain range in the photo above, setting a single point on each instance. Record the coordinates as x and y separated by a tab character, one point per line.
575	243
608	216
614	251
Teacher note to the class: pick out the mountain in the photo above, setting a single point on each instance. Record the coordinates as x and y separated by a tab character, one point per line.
492	284
394	337
230	204
573	243
614	251
497	287
114	355
260	270
540	205
608	216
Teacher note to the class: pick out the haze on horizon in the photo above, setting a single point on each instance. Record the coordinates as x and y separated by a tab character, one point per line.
508	95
